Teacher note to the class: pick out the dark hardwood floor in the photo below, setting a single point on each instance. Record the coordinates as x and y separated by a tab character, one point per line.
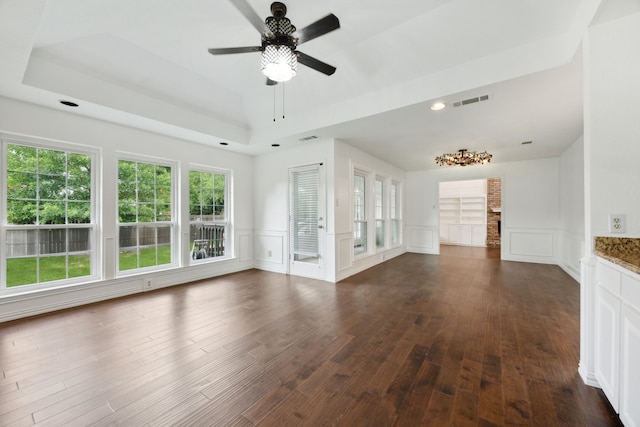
419	340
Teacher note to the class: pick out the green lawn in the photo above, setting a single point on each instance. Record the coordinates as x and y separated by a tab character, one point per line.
128	260
22	271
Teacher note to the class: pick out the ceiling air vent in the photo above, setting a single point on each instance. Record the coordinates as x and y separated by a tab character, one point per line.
308	138
471	100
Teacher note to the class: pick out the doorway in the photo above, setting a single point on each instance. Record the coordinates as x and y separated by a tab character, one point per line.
307	221
471	213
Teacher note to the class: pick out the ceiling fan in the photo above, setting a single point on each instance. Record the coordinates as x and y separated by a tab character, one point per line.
280	40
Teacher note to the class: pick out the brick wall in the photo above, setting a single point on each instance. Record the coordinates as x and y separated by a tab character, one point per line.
494	200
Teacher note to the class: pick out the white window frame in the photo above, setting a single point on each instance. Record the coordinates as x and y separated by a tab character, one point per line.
95	251
227	222
173	223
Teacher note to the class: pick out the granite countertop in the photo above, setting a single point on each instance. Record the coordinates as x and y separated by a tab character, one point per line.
622	251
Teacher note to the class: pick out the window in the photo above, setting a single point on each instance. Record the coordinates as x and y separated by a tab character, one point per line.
380	214
208	215
49	226
359	210
396	222
145	215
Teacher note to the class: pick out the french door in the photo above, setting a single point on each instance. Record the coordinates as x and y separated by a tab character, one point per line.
306	221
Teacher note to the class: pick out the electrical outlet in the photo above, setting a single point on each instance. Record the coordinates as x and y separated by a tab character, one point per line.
148	284
617	223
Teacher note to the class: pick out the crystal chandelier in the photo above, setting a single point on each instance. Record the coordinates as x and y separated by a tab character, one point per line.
463	158
279	63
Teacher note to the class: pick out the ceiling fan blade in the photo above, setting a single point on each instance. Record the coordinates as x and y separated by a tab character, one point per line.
271	82
314	63
251	15
228	50
317	29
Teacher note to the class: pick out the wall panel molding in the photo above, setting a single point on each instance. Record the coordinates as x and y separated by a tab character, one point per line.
530	245
422	239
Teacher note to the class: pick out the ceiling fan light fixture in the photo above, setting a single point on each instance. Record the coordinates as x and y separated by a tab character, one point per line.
279	63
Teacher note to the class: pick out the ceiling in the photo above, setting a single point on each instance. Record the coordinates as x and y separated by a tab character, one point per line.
145	64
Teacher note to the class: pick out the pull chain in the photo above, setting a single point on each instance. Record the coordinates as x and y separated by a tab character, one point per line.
283	100
274	103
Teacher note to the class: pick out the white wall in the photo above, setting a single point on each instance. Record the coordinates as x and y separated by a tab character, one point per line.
52	124
612	137
612	133
271	204
270	187
530	207
572	209
346	158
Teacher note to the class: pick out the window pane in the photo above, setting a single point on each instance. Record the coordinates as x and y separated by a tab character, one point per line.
53	268
79	212
359	197
163	194
52	162
79	265
163	176
360	238
379	234
146	212
146	173
163	212
146	192
207	193
52	241
52	212
22	271
21	243
22	159
22	211
21	185
52	187
127	172
128	244
127	212
395	231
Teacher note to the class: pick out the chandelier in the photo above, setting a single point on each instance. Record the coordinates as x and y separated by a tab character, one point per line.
463	158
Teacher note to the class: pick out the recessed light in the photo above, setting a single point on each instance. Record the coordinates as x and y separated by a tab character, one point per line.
68	103
437	106
275	145
224	143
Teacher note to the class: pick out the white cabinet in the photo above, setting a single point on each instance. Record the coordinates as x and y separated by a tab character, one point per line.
617	340
630	354
608	338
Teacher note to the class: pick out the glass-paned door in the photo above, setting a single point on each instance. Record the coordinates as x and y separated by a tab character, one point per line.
306	221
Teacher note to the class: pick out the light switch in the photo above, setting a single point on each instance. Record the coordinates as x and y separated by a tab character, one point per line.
617	223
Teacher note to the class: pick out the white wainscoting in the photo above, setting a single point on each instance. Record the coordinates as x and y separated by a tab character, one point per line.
245	246
422	239
530	245
344	253
571	250
270	251
348	265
